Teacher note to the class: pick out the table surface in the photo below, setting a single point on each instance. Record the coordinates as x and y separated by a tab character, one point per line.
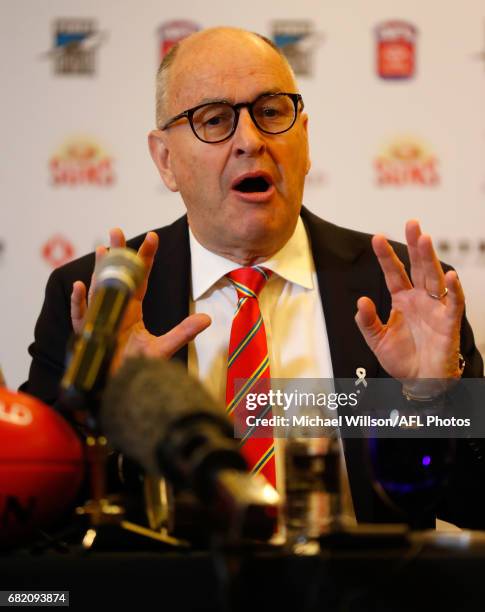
446	575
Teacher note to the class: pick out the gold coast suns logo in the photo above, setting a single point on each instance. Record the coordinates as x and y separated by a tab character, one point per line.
406	161
81	161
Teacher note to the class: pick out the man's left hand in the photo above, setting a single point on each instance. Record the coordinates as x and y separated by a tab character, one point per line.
421	339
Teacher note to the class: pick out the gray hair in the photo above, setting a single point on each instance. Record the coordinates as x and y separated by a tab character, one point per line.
162	83
161	94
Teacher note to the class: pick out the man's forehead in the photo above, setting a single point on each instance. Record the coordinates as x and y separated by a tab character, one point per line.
234	67
240	42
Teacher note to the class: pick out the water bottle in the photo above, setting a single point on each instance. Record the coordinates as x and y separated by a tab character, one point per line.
313	493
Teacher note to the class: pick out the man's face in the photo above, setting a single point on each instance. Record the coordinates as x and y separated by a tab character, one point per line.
243	226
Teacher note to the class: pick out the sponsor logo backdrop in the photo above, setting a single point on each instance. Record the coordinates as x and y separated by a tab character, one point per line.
395	92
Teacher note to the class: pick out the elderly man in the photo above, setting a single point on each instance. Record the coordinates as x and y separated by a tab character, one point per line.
232	139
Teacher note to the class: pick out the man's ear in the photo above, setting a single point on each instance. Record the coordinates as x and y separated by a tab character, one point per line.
308	160
161	156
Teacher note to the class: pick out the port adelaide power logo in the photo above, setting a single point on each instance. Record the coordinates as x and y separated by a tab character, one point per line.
75	46
298	40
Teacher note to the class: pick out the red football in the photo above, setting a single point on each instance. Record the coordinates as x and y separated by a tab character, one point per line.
41	466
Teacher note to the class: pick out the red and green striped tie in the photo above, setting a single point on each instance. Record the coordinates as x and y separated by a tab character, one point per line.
248	362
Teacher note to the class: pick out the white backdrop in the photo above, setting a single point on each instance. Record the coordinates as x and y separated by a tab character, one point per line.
428	128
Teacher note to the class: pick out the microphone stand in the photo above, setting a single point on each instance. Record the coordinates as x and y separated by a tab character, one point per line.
101	509
107	526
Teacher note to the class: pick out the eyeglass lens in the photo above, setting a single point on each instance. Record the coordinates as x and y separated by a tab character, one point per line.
215	121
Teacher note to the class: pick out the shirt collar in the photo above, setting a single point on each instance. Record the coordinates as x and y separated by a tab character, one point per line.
293	262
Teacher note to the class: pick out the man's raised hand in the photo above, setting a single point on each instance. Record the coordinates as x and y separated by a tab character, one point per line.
421	338
134	338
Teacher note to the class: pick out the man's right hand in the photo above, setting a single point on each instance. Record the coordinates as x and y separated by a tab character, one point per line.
134	338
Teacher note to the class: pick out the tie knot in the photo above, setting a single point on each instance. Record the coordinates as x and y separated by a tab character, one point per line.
248	282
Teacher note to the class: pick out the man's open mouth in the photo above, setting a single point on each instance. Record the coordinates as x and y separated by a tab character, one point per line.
252	184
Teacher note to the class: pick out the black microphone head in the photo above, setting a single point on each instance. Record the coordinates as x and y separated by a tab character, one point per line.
146	399
158	415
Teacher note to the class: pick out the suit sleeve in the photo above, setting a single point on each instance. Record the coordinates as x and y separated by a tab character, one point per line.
464	501
52	332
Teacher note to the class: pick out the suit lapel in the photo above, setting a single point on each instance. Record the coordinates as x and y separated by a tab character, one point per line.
346	270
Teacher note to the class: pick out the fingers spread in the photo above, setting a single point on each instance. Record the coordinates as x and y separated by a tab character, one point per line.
182	333
116	238
413	232
368	322
78	305
147	252
434	278
455	297
392	267
99	254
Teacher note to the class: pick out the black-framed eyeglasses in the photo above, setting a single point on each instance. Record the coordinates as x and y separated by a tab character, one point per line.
217	121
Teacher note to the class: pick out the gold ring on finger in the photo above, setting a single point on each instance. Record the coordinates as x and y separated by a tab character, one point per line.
438	296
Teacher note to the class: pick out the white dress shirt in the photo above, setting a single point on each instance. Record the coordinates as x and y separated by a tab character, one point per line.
291	307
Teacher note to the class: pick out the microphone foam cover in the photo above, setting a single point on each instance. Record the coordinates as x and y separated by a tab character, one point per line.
144	399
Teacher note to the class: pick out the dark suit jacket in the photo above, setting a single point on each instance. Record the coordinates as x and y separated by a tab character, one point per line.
346	268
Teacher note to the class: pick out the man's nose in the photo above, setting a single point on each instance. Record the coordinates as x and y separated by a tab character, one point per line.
248	139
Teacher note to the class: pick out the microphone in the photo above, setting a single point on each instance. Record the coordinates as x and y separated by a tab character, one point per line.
118	276
156	414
